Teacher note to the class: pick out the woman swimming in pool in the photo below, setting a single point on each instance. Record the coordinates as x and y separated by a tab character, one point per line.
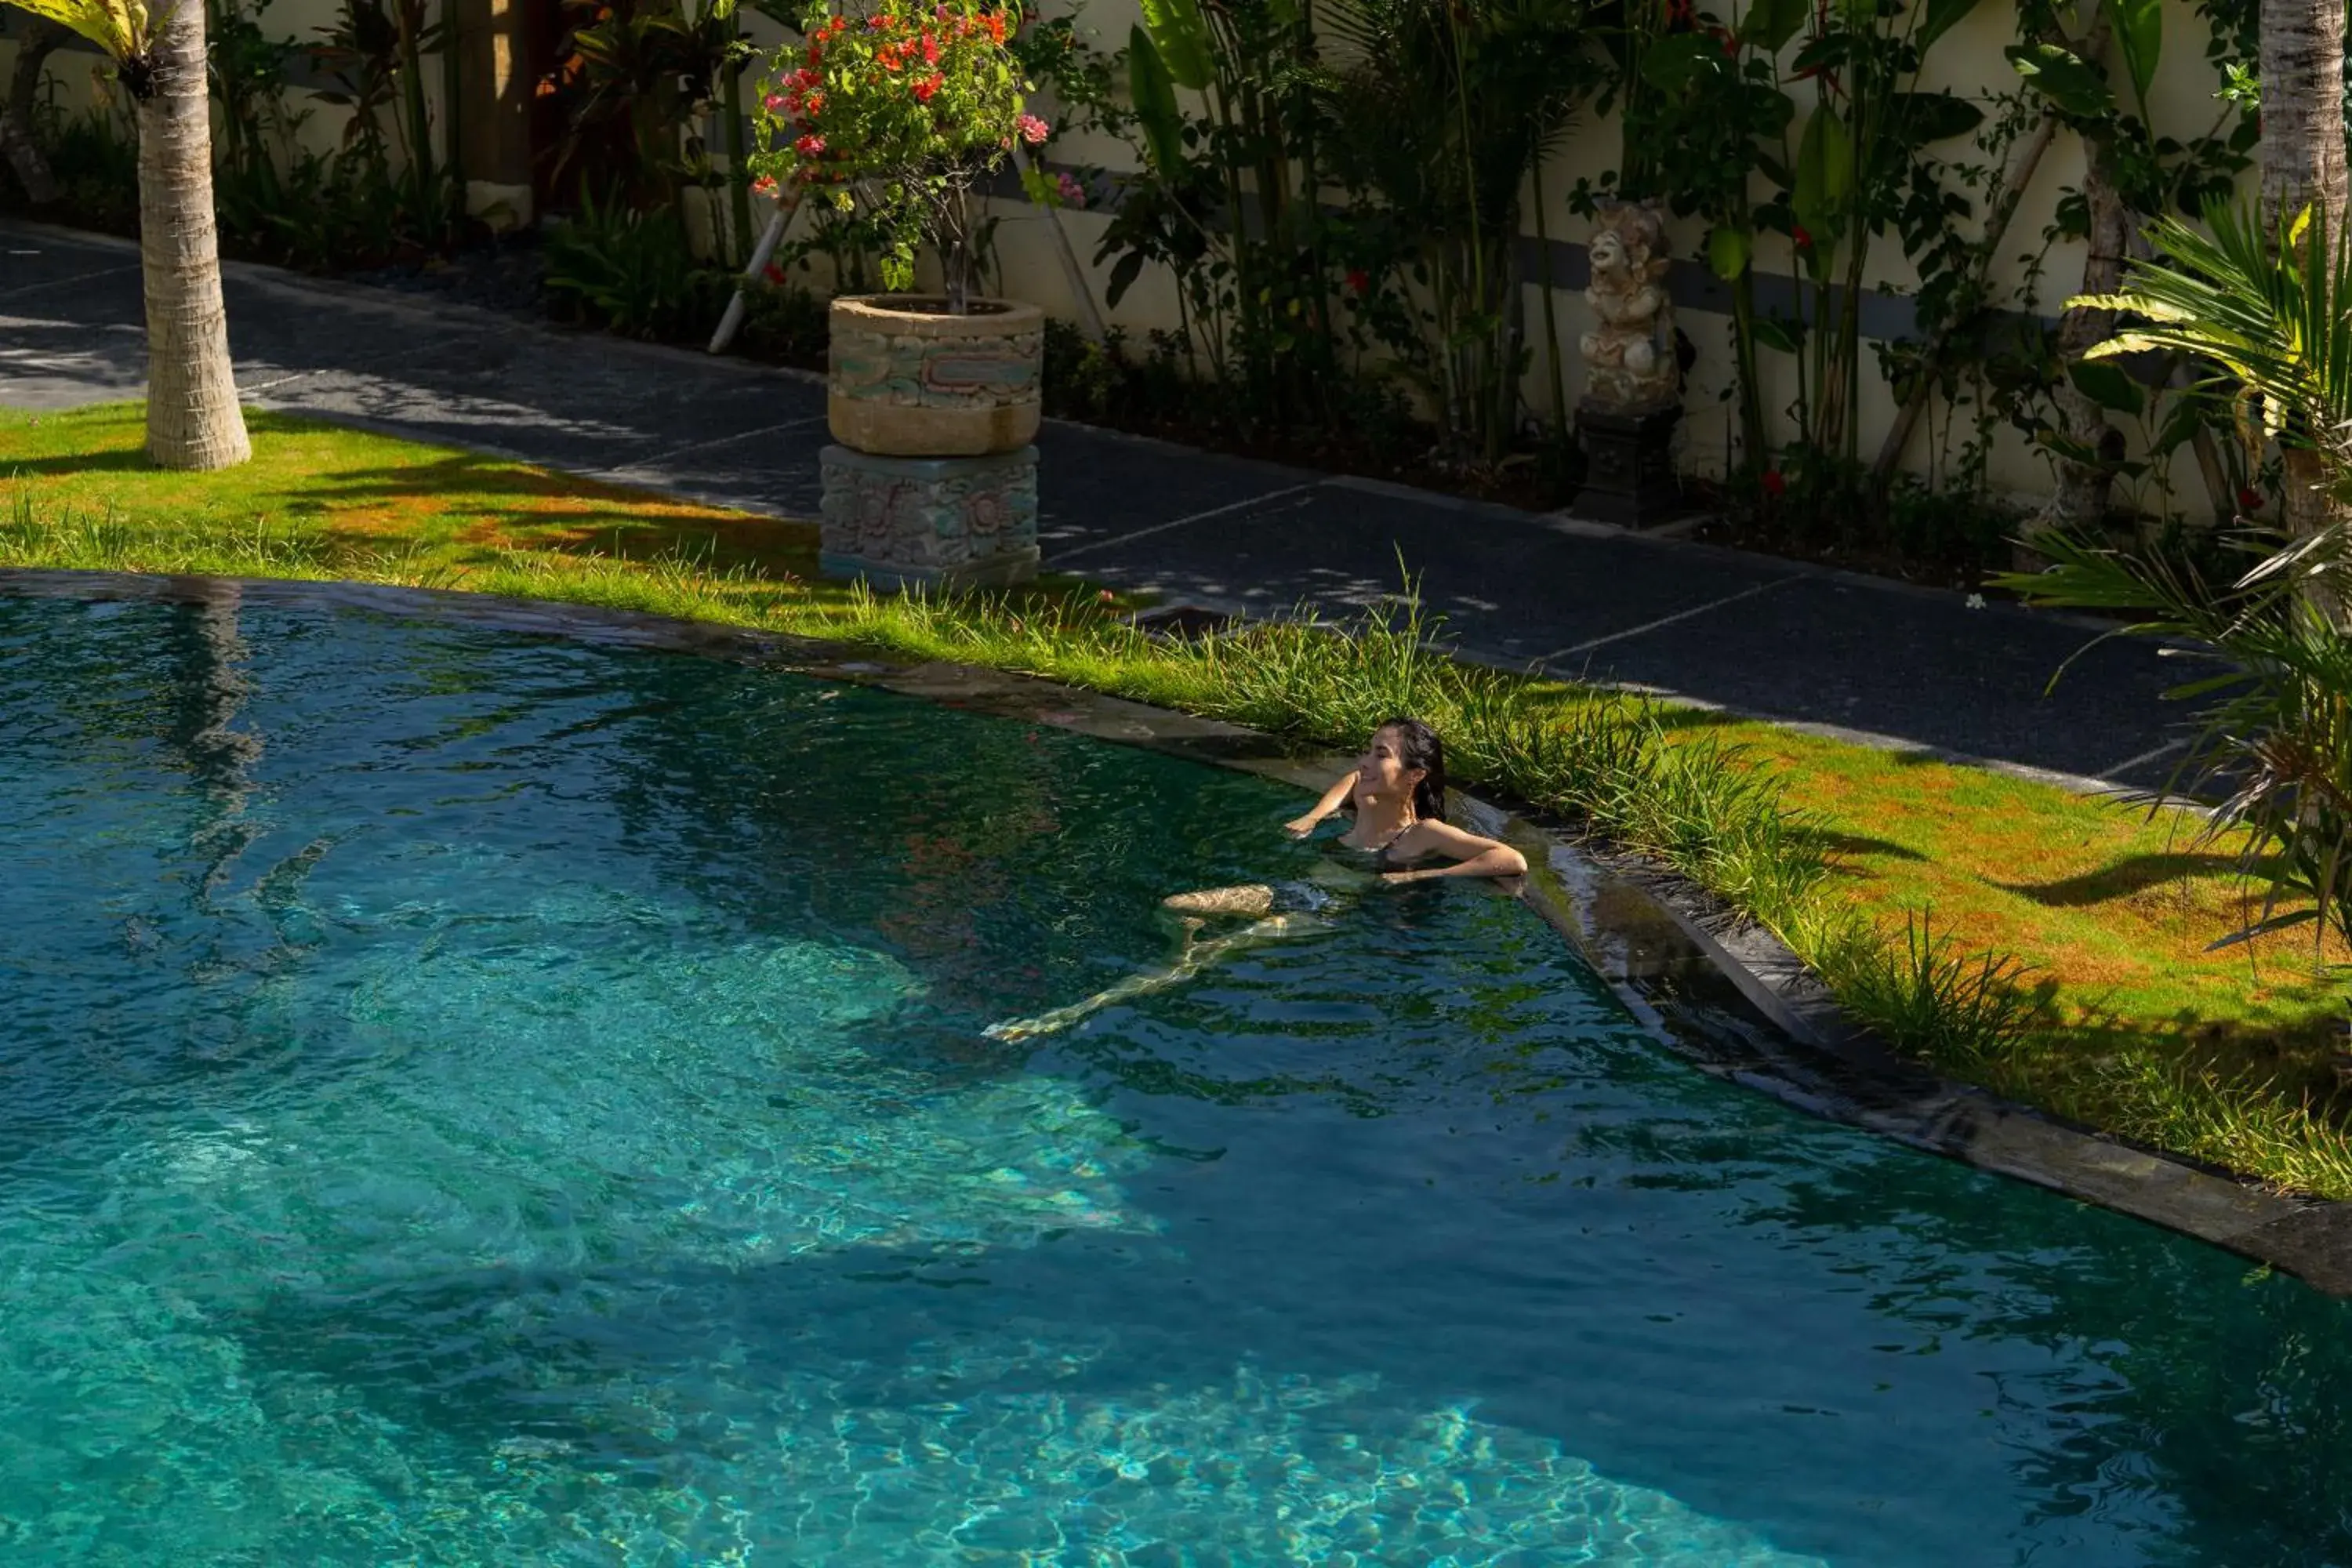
1398	792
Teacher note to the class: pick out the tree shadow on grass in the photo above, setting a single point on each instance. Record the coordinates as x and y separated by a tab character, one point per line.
2293	1063
2122	878
1834	842
132	460
472	508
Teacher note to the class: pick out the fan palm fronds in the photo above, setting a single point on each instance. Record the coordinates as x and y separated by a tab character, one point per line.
2261	309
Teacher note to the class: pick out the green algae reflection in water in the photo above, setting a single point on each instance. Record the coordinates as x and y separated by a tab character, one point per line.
472	1098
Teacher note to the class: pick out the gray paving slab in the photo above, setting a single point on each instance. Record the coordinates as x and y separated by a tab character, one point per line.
1751	633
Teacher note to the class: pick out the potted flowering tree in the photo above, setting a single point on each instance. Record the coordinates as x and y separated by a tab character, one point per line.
900	108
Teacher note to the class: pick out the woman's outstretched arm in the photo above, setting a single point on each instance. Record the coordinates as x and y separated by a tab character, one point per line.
1333	799
1471	854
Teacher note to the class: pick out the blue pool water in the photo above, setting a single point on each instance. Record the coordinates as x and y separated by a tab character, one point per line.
466	1098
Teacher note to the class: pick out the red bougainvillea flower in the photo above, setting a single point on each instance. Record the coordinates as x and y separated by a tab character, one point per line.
773	273
1774	485
1804	241
2250	500
765	185
899	116
1359	282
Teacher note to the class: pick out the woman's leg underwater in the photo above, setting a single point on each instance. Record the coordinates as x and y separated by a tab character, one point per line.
1199	953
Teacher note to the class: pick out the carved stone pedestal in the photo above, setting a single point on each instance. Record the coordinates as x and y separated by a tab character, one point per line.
929	522
1629	473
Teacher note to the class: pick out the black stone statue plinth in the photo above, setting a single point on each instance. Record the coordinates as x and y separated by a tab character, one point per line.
1629	478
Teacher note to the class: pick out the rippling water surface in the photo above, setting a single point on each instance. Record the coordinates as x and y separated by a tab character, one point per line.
466	1098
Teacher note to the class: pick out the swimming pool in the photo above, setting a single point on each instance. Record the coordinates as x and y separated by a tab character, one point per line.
470	1097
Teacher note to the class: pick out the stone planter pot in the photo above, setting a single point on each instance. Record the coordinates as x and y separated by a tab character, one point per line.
906	379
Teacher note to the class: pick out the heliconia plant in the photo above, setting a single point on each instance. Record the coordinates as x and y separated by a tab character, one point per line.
900	108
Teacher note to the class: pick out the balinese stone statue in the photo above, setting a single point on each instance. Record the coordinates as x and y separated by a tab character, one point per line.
1629	358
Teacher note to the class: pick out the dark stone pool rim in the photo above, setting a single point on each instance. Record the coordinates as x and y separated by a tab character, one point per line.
1728	993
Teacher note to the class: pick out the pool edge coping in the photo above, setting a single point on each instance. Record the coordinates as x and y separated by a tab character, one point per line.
1691	968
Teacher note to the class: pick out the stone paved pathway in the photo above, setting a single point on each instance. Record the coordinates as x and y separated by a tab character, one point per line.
1761	636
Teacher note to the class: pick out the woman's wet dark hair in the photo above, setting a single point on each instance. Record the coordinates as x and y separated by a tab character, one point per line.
1419	747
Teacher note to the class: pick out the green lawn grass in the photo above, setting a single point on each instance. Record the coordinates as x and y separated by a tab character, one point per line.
2123	1019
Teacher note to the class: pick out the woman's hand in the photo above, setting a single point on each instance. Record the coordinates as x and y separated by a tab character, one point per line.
1333	799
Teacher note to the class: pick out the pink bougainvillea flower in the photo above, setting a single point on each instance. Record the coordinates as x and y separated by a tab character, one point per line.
1033	131
1073	193
809	146
774	102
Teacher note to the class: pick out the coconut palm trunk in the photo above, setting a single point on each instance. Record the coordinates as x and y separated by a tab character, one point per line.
2303	165
193	418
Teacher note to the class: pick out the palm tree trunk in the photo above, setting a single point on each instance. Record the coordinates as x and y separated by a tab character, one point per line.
2302	165
193	418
